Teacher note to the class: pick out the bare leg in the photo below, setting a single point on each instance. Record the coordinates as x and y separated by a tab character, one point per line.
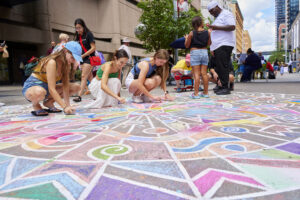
204	78
150	84
196	70
36	94
86	71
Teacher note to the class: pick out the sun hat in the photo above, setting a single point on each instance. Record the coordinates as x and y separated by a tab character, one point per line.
75	49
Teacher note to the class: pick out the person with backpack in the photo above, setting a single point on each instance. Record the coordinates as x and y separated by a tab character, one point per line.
252	63
44	82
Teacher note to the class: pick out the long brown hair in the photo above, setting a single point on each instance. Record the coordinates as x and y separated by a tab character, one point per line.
162	71
65	69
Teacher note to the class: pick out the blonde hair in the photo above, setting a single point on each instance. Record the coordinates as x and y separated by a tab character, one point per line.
65	70
162	71
63	36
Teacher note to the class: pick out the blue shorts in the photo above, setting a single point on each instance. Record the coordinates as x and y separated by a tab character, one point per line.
32	81
199	57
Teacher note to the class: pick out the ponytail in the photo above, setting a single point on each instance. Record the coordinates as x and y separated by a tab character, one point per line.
120	54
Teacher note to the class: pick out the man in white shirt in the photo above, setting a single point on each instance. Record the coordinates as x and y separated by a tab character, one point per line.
223	41
126	69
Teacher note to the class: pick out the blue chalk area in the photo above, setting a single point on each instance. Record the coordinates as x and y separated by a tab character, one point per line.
203	144
235	147
24	165
3	169
3	158
84	170
291	135
70	184
108	121
164	168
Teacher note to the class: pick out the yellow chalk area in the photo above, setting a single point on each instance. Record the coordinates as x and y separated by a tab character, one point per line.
33	145
293	102
156	108
242	121
254	113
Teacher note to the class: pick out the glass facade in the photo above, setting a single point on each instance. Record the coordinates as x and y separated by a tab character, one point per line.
279	16
292	12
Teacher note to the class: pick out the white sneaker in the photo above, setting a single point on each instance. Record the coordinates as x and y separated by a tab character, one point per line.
137	99
146	99
2	104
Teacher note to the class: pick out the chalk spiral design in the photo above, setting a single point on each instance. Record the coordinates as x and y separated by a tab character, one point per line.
104	152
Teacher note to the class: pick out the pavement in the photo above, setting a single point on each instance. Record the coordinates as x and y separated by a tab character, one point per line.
241	146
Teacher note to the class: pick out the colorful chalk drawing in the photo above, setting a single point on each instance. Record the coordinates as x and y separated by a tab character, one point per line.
242	146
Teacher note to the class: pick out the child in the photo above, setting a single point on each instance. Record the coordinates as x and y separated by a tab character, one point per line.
179	70
282	69
198	40
42	84
147	75
106	85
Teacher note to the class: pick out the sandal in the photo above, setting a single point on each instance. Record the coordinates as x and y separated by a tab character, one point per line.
77	99
53	110
41	112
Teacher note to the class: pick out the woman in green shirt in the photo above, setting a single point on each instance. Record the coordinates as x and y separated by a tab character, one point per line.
106	85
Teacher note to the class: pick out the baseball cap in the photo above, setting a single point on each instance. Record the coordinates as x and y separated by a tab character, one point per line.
212	5
75	49
188	58
125	39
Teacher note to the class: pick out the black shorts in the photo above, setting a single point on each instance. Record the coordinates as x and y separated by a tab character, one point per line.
86	60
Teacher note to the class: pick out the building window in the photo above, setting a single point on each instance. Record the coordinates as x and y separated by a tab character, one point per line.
132	2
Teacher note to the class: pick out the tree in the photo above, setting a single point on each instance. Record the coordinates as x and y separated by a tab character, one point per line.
277	55
160	26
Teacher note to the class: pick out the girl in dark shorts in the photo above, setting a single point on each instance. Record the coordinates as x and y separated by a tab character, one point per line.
84	35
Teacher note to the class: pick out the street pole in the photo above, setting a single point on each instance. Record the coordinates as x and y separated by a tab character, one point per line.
175	17
285	45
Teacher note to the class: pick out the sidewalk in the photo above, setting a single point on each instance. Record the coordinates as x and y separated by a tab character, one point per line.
287	84
242	146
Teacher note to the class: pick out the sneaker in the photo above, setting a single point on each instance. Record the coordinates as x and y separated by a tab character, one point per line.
137	99
200	89
215	89
2	104
146	99
204	95
178	90
223	91
193	96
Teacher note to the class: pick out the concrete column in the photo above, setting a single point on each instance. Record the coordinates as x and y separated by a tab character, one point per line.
43	22
116	37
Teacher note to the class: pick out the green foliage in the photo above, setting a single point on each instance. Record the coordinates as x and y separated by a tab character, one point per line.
279	55
161	26
235	65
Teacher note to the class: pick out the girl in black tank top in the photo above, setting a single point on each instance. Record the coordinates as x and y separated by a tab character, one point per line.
198	40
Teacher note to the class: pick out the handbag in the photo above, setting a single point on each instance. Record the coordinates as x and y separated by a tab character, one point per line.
95	60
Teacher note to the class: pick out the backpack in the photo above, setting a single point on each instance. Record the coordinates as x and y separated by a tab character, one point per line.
271	75
28	68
